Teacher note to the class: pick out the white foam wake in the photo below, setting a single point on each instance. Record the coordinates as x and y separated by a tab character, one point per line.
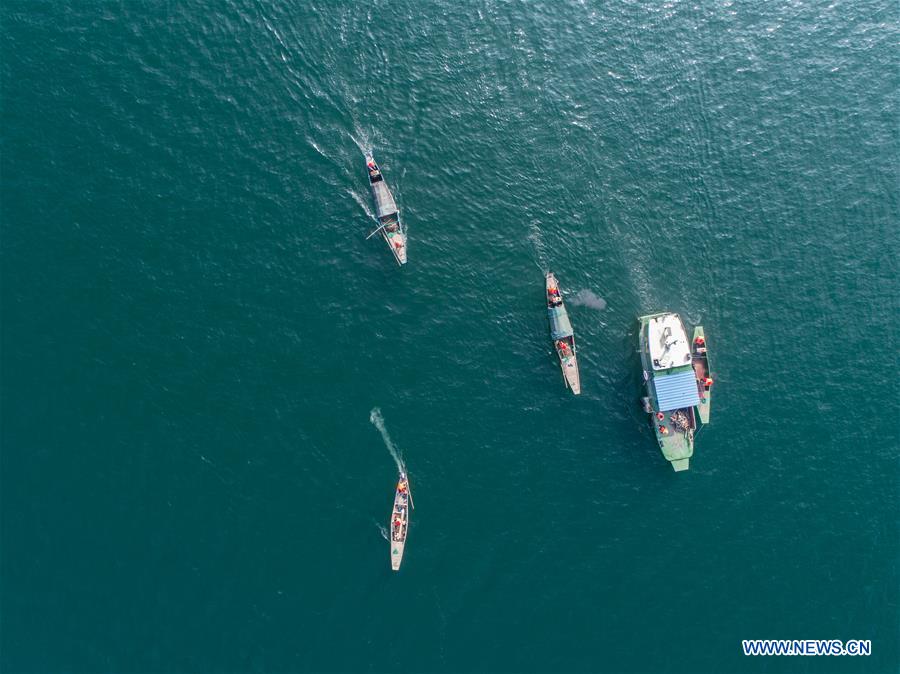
538	248
362	203
378	422
361	139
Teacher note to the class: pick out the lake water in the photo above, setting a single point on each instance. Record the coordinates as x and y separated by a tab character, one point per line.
195	333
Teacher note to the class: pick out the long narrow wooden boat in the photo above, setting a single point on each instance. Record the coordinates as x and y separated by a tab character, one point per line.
563	335
399	524
700	361
386	212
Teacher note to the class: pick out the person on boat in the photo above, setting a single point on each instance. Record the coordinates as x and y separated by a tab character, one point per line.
708	382
700	343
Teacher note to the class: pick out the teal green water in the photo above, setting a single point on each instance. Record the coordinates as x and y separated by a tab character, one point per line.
195	331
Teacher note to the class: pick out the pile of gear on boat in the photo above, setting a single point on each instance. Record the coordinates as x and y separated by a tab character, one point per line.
403	494
678	420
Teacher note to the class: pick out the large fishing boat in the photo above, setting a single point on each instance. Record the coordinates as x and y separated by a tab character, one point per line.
700	362
563	335
671	386
399	521
386	212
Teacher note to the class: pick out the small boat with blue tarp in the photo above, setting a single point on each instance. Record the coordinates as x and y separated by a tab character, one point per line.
386	212
563	335
700	361
671	386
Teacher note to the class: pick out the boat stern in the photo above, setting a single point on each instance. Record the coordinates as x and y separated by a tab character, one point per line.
703	408
397	243
676	447
396	554
680	465
401	252
573	378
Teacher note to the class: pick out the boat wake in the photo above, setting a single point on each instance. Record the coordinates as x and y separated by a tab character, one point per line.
587	298
362	204
378	422
361	138
538	248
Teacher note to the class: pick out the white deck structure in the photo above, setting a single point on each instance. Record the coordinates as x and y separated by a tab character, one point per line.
668	342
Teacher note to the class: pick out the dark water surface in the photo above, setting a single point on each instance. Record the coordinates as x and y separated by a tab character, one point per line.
195	331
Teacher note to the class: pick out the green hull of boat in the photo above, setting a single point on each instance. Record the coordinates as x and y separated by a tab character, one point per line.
703	408
677	448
